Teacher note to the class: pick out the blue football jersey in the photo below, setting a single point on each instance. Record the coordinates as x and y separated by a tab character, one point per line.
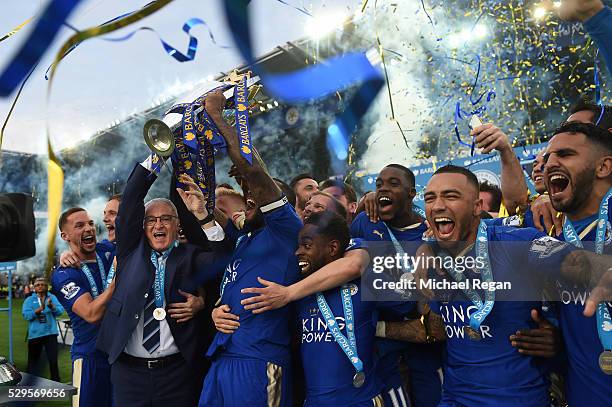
586	384
69	284
328	372
390	350
491	371
268	253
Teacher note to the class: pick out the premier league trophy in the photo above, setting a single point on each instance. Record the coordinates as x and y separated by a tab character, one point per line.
190	137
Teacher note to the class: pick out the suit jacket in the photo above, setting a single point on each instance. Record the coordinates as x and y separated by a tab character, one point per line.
187	267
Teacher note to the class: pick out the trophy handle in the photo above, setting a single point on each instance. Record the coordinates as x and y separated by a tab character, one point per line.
158	137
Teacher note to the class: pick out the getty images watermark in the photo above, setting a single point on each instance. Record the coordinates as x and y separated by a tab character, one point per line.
387	266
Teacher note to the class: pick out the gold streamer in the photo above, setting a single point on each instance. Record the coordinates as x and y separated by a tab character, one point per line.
55	176
382	58
14	30
104	29
55	182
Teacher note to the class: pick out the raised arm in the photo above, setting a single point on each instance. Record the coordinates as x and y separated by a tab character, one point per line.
262	187
131	210
595	17
189	223
513	185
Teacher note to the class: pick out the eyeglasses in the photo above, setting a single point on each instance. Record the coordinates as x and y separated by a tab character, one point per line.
165	219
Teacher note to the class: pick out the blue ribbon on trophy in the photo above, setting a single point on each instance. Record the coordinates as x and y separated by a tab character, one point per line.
192	141
242	119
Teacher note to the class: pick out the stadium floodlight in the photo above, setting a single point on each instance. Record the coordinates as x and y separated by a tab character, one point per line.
319	26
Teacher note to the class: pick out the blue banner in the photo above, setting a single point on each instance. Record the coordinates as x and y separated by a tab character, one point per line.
486	167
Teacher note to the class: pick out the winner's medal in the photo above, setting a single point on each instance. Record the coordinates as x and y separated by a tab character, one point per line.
347	343
605	362
358	379
159	314
472	333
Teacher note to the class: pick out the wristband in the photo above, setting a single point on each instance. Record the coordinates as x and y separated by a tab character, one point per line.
207	219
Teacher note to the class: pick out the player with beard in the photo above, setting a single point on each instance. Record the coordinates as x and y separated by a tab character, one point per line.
84	292
399	223
578	176
481	366
251	366
303	185
540	212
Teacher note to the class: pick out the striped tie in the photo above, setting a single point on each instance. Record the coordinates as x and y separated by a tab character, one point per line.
150	331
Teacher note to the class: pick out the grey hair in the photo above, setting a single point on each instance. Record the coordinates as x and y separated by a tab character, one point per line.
164	201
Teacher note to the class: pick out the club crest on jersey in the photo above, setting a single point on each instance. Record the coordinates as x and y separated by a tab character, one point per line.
546	246
70	290
353	287
514	221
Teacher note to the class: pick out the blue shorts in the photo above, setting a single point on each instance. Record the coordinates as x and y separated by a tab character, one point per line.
91	375
235	381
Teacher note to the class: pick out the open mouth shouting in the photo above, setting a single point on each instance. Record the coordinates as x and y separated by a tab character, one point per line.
444	226
88	241
558	185
160	236
385	206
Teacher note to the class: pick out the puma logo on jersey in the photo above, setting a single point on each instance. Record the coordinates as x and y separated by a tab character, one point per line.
376	232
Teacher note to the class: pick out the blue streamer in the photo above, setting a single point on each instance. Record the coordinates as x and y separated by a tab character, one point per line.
170	50
314	82
461	114
36	45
